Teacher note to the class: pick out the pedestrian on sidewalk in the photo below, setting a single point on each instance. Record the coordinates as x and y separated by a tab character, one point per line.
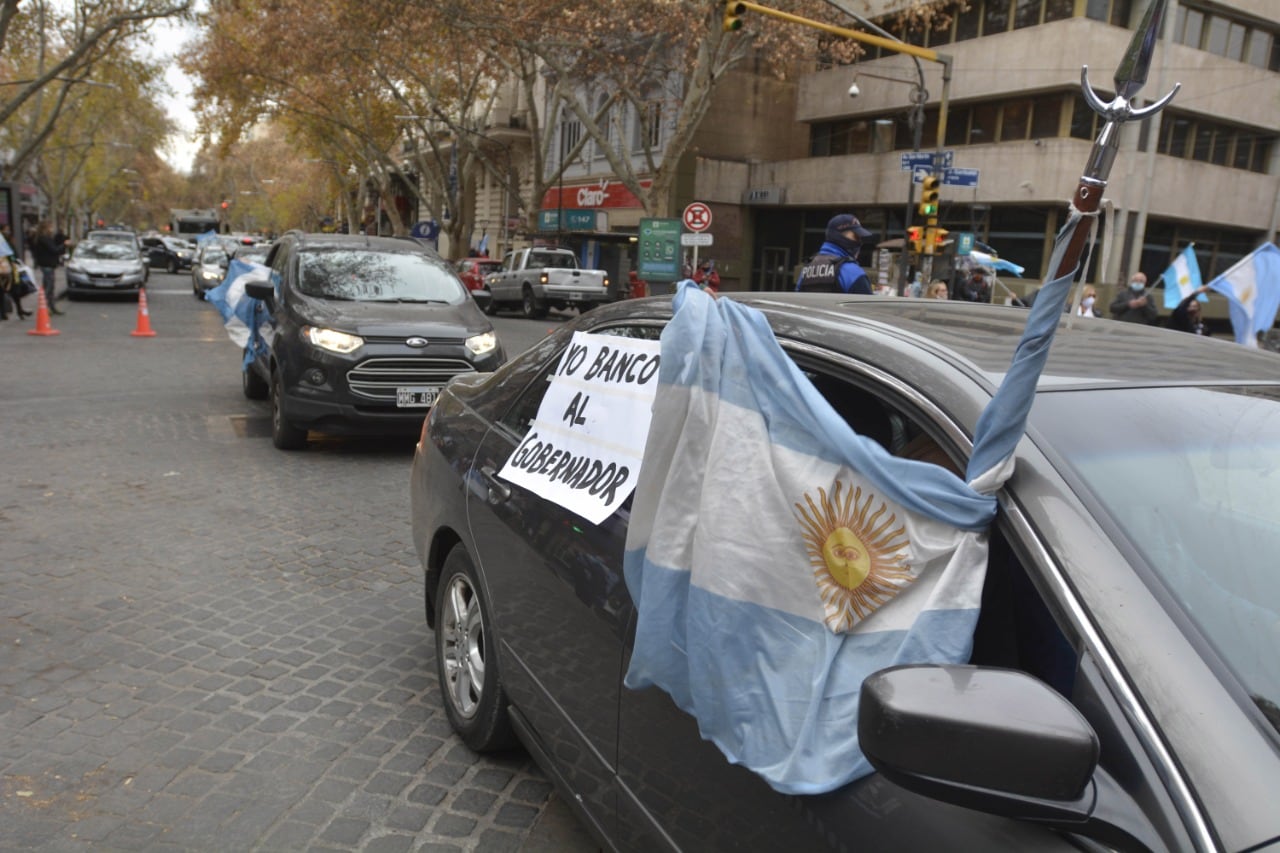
46	250
9	278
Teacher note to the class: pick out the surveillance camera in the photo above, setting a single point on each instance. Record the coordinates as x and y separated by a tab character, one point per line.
854	91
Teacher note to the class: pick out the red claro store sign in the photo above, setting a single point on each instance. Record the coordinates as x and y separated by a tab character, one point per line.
603	194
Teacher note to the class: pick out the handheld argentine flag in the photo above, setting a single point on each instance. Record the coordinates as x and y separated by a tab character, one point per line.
1252	288
1182	278
247	320
777	558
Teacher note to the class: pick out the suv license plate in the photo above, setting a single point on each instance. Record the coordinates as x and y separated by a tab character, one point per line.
416	397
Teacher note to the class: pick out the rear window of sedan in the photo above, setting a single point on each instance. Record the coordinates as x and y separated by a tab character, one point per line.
369	276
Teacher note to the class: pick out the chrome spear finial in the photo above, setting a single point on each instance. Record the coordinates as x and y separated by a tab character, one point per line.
1131	75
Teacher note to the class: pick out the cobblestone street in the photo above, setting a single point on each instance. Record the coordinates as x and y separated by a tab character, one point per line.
207	643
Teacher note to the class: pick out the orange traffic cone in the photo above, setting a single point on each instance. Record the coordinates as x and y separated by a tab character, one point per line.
144	317
43	326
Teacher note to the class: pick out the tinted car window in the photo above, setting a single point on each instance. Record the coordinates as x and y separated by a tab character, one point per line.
361	275
1198	495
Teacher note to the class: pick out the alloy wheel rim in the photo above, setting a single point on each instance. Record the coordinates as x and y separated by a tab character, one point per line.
462	651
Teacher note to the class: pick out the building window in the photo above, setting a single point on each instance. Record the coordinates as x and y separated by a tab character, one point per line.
647	131
1058	10
1015	120
1213	142
995	17
1046	117
969	22
1026	13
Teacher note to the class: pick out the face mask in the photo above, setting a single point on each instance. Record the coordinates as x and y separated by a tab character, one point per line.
1088	302
1136	286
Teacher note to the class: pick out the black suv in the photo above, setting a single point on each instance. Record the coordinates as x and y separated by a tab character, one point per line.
368	330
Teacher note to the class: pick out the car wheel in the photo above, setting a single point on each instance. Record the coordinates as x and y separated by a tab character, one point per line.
466	659
254	386
173	266
284	435
491	307
532	310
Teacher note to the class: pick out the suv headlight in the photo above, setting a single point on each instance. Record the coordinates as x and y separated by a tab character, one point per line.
331	339
481	344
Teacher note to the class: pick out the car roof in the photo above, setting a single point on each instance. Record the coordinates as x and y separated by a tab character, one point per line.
981	339
360	241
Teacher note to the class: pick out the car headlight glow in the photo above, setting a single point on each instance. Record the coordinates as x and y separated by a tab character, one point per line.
331	339
205	272
481	344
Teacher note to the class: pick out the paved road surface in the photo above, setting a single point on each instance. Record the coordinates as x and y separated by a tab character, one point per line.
205	643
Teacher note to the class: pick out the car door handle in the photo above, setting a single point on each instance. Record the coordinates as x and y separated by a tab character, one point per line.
498	490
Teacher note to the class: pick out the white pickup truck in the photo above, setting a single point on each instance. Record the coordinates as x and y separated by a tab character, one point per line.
539	279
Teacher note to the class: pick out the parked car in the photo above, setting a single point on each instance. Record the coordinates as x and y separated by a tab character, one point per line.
1126	640
473	271
102	266
209	267
169	252
366	331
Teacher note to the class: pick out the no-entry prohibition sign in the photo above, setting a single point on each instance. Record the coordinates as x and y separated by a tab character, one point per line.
697	217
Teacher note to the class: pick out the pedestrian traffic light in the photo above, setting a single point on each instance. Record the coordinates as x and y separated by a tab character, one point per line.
929	197
733	12
915	236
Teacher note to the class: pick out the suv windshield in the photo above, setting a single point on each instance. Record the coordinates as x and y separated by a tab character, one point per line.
371	276
1194	482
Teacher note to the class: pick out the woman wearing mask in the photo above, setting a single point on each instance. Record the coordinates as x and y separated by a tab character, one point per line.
1088	306
937	290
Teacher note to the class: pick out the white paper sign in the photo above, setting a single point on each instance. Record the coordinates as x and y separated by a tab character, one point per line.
584	448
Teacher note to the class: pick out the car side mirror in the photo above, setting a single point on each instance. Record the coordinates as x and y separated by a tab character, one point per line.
950	731
482	298
261	290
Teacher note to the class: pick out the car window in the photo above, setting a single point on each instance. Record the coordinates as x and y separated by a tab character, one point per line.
1194	486
213	254
370	276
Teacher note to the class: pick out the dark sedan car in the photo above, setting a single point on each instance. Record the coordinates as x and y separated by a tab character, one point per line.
1123	689
366	332
170	253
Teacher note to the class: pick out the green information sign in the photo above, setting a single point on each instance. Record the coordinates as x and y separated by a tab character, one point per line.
574	220
964	242
659	249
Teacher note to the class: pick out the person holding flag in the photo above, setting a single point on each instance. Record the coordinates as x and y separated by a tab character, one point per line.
1187	316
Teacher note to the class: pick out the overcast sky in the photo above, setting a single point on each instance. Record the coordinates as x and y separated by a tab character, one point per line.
170	40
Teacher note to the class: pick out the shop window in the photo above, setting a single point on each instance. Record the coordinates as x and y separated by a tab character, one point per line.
1046	116
1259	48
1215	40
1015	120
1192	27
969	22
1058	10
995	17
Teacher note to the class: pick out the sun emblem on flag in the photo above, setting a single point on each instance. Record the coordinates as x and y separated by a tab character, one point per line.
858	555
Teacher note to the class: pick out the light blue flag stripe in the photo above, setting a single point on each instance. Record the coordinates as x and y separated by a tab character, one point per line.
1174	291
1252	288
243	316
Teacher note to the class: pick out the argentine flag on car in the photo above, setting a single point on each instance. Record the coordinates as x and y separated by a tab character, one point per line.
246	319
777	558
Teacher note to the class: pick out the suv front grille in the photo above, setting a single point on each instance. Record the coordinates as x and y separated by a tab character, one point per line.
378	378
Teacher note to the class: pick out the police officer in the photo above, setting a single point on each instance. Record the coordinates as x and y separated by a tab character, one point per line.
835	268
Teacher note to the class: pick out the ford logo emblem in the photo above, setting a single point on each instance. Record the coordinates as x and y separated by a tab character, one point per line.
417	342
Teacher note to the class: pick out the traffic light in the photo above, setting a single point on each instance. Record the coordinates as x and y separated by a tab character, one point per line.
929	197
733	12
225	205
939	236
915	236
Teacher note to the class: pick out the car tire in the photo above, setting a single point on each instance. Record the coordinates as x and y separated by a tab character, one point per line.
254	386
529	305
491	307
284	435
466	659
172	267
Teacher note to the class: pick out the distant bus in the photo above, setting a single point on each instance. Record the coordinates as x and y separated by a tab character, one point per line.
192	222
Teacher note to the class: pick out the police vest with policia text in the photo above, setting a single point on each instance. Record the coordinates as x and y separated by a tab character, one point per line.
822	274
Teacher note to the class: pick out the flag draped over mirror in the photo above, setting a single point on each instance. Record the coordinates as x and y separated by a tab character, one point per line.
777	558
246	319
